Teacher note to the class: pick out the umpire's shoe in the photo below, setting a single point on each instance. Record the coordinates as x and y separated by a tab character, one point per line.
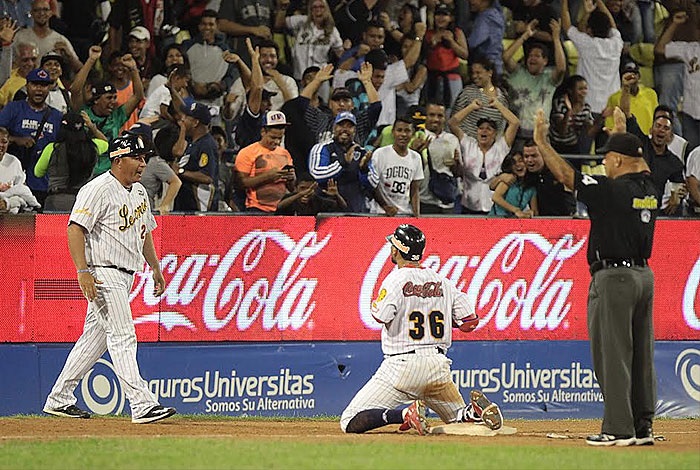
68	411
155	414
607	440
489	412
644	437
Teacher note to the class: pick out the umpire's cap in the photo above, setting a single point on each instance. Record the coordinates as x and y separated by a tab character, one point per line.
409	240
128	145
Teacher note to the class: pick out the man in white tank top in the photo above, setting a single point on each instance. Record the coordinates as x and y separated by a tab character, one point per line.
418	309
109	235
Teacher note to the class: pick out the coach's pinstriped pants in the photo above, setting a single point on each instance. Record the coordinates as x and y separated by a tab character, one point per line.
109	326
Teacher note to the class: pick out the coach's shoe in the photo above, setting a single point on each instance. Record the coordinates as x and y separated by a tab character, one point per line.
645	437
155	414
489	412
415	418
68	411
607	440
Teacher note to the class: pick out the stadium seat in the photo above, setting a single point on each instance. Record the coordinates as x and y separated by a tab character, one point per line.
519	54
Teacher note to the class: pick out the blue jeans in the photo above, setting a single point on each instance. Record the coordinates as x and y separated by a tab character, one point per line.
669	85
646	9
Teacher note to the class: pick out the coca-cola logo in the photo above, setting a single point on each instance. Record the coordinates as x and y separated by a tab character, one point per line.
691	310
283	302
540	301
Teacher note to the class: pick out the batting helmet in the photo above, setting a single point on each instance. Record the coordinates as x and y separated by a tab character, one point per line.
128	145
409	240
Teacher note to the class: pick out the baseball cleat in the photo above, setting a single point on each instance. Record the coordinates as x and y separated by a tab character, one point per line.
68	411
489	412
415	418
155	414
608	440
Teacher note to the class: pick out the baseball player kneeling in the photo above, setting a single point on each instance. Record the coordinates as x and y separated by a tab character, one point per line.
416	308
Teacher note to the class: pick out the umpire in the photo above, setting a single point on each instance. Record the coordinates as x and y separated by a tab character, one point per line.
623	207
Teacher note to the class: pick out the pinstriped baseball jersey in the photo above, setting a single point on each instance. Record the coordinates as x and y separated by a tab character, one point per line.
117	221
417	307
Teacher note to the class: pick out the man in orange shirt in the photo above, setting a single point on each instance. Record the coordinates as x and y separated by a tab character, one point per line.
264	168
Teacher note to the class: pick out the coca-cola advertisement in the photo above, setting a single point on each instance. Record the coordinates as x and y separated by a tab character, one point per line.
243	278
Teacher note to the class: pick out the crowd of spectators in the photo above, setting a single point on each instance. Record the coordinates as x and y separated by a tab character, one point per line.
403	107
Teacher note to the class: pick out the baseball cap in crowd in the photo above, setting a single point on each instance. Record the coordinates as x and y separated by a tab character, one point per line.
274	119
102	89
491	122
39	76
128	145
442	9
140	33
345	116
341	93
417	115
377	58
142	129
624	143
630	66
200	112
266	95
52	55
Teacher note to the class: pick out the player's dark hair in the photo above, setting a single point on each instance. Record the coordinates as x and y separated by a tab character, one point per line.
81	151
407	119
599	24
538	45
663	110
269	44
165	140
208	13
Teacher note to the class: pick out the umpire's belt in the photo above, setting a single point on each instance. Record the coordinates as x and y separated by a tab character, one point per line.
618	263
413	351
112	266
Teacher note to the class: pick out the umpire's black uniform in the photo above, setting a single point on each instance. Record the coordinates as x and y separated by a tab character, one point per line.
623	212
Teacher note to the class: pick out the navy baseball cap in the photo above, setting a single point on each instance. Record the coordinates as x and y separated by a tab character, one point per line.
624	143
345	116
200	112
39	76
128	145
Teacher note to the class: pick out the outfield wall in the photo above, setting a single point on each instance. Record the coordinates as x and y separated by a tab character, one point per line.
529	379
268	297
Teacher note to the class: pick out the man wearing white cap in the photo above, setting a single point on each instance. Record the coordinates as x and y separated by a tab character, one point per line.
139	45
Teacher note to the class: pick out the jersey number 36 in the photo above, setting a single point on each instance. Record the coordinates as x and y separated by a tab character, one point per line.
436	324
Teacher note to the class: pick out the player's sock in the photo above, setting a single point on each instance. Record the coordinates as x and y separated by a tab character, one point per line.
372	419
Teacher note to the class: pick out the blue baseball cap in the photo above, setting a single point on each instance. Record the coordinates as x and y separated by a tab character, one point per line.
199	111
345	116
39	76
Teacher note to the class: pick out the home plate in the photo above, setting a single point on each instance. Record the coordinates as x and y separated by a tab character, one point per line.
470	429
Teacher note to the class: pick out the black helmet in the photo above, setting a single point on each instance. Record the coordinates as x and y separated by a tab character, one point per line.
128	145
409	240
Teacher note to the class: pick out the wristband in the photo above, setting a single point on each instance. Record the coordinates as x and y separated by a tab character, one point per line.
83	271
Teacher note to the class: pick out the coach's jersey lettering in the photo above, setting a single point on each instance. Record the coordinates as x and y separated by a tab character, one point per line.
129	220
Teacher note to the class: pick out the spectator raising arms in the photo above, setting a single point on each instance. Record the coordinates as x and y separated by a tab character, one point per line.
482	157
315	35
445	45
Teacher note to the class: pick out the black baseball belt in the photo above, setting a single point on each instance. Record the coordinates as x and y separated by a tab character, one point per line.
118	268
618	263
413	351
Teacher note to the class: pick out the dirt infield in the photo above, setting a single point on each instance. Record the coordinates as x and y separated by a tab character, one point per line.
678	435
